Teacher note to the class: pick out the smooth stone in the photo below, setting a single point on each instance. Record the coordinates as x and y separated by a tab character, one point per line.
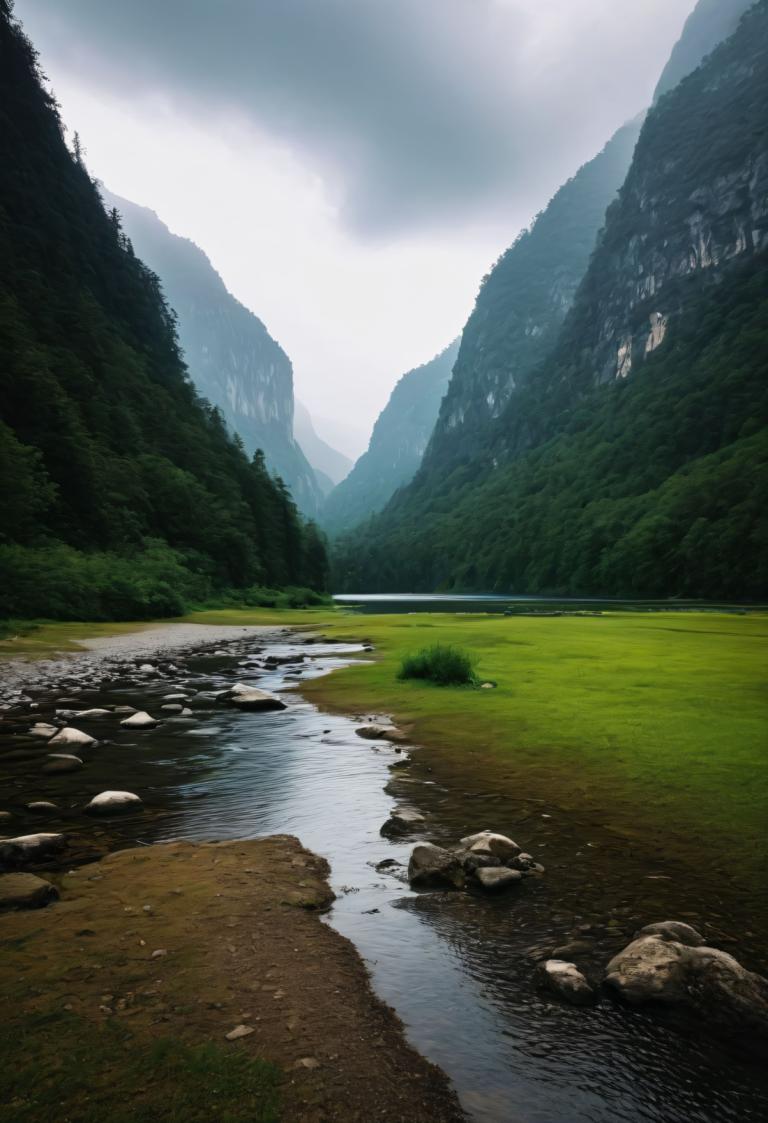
567	981
110	803
487	685
673	930
495	879
139	720
172	708
62	762
250	698
96	712
238	1032
401	822
29	848
44	729
488	842
380	733
174	697
186	712
42	807
25	891
70	736
147	669
124	710
432	867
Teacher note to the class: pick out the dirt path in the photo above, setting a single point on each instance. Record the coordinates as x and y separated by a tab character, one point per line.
183	943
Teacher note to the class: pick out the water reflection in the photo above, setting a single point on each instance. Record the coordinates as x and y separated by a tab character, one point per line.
457	968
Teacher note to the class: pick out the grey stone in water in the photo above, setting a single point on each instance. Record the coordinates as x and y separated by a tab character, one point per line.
25	891
707	981
494	880
147	669
249	698
567	981
521	862
488	842
172	708
42	807
186	712
139	720
380	733
401	822
432	867
62	762
179	697
96	712
111	803
673	930
44	729
29	848
125	710
70	736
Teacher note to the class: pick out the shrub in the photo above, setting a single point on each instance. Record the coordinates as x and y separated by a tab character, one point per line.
441	664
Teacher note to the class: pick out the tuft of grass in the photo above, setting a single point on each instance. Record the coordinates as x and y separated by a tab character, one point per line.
441	664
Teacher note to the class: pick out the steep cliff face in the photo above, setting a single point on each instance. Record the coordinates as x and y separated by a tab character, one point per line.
232	359
523	302
634	459
397	445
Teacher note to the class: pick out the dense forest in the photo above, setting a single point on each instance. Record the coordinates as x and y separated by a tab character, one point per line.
633	462
123	494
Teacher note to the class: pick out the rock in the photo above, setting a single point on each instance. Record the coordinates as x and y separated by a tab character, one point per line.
42	807
521	862
487	685
140	720
186	712
62	762
567	981
250	698
472	862
179	697
25	891
307	1062
401	822
29	848
112	803
94	713
405	762
206	697
172	708
159	953
432	867
673	930
238	1032
70	736
494	880
487	842
708	982
124	710
147	669
380	733
388	864
43	729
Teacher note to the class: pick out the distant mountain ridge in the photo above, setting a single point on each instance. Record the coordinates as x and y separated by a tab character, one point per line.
397	445
231	357
710	23
330	465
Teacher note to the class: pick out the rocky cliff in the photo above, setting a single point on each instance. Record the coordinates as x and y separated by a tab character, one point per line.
397	445
710	22
231	357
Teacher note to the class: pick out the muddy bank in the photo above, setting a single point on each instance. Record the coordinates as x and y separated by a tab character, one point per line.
190	941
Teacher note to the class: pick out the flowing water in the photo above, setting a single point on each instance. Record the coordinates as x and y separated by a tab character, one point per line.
458	968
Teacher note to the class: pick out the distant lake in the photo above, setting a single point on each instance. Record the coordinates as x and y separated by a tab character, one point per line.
507	603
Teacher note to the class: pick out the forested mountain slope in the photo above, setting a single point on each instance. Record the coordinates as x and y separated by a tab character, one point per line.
230	356
710	22
634	460
397	445
123	494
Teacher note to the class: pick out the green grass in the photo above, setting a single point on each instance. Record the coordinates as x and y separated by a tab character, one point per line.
440	664
61	1066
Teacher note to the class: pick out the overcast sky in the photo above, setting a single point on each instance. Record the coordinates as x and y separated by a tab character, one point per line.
351	167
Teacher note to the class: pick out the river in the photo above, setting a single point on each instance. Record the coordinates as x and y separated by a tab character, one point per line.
457	968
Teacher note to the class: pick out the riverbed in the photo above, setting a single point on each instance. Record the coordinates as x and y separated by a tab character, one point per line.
458	968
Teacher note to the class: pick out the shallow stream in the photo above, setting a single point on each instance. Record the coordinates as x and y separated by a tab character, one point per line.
458	968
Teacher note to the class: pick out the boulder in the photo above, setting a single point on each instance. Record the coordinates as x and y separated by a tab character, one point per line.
250	698
25	891
70	736
42	807
496	879
673	930
401	822
113	803
96	712
487	842
44	729
380	733
706	981
29	848
140	720
567	981
62	762
432	867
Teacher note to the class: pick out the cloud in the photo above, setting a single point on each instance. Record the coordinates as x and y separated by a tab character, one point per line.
413	113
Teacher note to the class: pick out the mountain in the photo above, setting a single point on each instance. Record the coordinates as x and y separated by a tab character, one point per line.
711	22
634	458
231	357
397	445
123	495
330	465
